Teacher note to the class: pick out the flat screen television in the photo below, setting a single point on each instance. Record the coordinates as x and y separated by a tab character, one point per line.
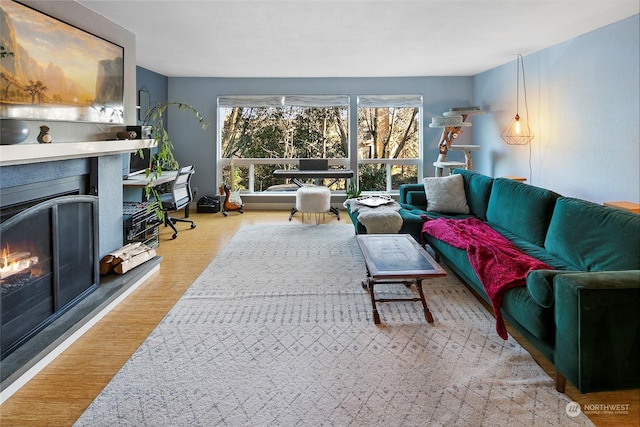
139	161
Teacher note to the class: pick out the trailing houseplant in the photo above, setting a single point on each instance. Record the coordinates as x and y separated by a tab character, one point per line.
155	117
164	159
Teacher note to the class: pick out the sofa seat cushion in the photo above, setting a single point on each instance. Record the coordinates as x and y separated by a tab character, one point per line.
412	219
459	261
535	318
538	320
594	237
521	209
411	212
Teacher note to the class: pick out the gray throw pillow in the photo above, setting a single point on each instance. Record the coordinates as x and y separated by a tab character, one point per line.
446	194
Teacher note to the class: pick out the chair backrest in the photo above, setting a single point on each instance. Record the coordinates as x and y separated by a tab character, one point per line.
181	188
313	164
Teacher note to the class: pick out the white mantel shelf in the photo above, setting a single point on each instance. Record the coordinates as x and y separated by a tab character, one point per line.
37	153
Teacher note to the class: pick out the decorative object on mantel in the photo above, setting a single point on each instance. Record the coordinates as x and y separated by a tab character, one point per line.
13	131
518	131
44	137
130	134
452	123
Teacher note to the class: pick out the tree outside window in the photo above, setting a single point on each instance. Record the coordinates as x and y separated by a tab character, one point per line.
390	132
260	134
280	132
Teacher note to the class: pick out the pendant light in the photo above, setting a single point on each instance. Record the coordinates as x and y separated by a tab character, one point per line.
518	131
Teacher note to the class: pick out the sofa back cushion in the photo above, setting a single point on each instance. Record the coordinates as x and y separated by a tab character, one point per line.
594	237
477	187
521	209
417	199
407	195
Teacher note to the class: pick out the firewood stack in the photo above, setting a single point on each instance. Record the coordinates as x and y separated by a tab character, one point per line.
126	258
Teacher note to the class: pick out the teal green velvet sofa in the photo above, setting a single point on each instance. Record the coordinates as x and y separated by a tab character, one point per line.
584	314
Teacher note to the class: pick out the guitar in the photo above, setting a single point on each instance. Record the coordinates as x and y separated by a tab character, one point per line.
232	200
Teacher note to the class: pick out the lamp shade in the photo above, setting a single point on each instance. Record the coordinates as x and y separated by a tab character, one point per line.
518	132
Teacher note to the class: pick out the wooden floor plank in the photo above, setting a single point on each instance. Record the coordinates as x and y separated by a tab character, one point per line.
64	389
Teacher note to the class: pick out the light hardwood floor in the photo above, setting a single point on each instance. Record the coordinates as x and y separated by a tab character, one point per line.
59	394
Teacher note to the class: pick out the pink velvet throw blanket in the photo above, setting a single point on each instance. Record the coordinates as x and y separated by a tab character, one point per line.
498	263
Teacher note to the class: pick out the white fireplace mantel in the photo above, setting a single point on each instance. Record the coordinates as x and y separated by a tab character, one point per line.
37	153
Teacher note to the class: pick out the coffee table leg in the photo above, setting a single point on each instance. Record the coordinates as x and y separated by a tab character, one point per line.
368	285
427	313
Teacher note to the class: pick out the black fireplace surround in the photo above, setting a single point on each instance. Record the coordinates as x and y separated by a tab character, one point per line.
49	254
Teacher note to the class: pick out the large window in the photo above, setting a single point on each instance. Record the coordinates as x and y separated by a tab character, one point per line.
259	134
263	133
389	149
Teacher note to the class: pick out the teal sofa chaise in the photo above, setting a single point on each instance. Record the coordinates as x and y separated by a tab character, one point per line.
582	314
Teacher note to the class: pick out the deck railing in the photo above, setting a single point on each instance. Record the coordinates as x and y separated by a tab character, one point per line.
249	165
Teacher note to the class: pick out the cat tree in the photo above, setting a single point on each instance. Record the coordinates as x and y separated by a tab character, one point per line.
452	123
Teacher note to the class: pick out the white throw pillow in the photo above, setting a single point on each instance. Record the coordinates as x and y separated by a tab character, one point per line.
446	194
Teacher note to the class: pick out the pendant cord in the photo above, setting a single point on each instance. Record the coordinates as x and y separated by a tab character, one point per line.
524	87
520	61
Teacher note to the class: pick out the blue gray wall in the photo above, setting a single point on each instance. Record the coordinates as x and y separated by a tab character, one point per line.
583	108
156	84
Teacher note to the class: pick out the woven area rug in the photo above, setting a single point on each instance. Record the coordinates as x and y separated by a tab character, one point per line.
278	331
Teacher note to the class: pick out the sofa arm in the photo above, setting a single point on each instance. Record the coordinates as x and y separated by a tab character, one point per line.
406	188
598	329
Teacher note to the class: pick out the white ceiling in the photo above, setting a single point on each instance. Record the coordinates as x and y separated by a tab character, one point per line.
349	38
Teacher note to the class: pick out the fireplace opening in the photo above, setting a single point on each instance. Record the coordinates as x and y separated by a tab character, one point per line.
48	260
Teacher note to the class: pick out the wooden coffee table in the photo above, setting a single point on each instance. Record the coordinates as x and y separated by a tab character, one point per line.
396	258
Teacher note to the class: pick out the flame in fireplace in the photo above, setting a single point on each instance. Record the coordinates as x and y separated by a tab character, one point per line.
12	263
